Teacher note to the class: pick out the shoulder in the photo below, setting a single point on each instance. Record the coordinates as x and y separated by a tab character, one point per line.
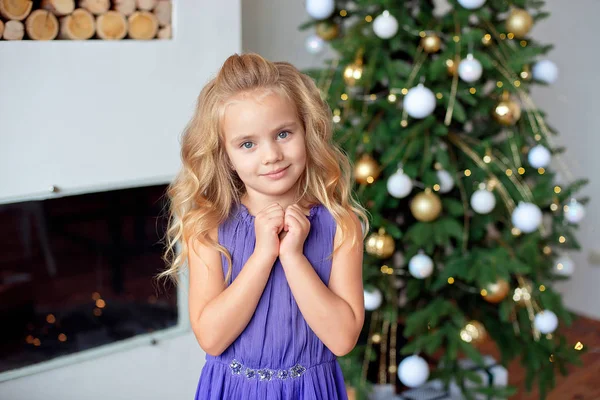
350	228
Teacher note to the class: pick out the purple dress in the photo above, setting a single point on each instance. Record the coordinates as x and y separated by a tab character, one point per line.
277	356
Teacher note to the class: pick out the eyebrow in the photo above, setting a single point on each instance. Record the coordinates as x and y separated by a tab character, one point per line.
279	128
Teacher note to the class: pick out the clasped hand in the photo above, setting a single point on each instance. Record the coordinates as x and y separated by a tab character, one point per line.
279	232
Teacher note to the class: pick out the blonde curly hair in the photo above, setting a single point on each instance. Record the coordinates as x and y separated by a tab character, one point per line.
206	189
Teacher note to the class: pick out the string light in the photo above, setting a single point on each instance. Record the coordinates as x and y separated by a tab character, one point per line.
50	319
343	13
450	280
578	346
368	18
467	172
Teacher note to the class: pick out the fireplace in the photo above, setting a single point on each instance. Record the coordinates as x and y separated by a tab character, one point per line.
77	272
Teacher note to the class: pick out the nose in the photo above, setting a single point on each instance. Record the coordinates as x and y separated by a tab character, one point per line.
271	153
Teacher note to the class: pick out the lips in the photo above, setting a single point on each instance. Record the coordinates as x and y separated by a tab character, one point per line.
276	171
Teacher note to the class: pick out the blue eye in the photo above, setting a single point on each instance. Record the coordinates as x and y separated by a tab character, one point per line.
284	133
246	147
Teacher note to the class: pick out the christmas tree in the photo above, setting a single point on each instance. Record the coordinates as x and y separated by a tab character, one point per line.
453	161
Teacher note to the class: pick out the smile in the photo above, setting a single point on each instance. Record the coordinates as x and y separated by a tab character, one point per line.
277	173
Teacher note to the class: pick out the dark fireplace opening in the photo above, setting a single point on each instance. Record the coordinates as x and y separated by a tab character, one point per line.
78	272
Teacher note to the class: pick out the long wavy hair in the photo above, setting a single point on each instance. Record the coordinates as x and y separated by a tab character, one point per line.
206	189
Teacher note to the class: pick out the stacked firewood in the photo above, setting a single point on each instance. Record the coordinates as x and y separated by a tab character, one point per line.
85	19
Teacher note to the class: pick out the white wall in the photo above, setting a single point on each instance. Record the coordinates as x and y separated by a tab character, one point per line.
270	28
571	105
89	116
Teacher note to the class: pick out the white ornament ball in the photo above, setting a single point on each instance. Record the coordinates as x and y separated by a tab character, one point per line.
420	266
373	299
483	201
527	217
564	266
419	102
539	157
314	44
471	4
399	185
545	71
545	321
385	25
320	9
413	371
575	212
470	69
446	181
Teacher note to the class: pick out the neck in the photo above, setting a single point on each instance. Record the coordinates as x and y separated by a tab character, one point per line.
255	202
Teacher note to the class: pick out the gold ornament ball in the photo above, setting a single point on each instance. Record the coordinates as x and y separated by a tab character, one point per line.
507	112
327	30
380	244
426	206
431	43
519	22
473	332
366	170
497	291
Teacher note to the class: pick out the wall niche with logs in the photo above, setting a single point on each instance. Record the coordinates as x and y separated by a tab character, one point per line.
85	19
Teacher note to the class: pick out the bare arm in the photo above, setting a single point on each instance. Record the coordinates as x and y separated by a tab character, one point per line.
334	313
218	315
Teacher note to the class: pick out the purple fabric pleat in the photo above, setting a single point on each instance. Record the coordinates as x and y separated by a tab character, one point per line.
277	356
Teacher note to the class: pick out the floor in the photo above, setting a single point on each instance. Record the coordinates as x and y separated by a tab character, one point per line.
582	382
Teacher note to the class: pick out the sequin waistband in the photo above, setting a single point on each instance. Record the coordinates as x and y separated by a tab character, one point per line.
268	374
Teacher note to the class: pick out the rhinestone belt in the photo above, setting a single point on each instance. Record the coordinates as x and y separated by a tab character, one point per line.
266	374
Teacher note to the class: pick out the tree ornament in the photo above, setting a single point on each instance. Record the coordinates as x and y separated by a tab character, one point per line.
527	217
327	30
545	71
545	321
385	25
446	181
471	4
470	69
399	185
526	74
320	9
380	244
474	332
574	212
507	112
522	294
366	170
353	72
420	266
564	266
373	299
426	206
419	102
496	291
314	44
413	371
519	22
452	66
539	157
483	201
431	43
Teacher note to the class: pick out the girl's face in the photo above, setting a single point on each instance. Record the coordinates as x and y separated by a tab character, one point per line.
264	140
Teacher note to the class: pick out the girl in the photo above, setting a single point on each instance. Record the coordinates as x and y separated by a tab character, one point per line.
263	212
